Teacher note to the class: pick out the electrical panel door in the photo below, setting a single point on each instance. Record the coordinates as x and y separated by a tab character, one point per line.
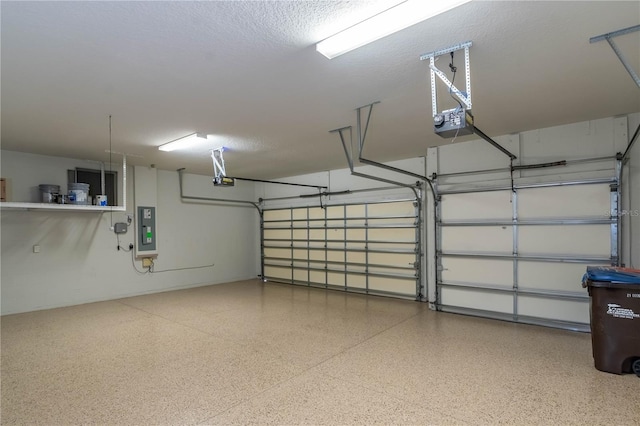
147	229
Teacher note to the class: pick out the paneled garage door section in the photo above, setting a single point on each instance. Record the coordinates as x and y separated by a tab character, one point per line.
371	248
520	255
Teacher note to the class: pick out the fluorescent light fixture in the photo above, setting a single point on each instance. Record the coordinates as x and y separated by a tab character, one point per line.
186	142
381	25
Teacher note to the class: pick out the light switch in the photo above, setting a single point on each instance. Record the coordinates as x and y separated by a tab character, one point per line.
36	248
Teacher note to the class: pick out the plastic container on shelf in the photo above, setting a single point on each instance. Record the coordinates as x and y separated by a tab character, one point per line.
615	318
49	193
78	193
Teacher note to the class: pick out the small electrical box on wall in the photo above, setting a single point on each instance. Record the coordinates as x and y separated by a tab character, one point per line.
120	228
147	233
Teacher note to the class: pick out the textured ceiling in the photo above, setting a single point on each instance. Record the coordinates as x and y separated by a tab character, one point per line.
248	72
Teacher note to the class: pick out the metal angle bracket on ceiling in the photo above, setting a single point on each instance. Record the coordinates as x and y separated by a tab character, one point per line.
617	51
362	134
219	172
349	154
464	97
459	120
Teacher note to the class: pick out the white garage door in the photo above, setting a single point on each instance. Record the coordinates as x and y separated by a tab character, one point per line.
520	255
371	248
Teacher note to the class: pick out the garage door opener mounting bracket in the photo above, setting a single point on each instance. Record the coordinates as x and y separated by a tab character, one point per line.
458	121
617	51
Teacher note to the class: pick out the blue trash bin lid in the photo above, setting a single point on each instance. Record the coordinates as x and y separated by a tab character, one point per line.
613	274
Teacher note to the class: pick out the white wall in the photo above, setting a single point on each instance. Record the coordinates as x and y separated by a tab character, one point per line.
78	261
206	232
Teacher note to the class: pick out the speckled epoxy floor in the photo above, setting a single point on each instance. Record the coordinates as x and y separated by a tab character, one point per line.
253	353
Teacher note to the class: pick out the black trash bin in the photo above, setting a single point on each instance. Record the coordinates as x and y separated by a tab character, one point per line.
615	318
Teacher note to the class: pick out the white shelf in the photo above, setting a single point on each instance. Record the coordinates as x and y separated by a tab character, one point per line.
64	207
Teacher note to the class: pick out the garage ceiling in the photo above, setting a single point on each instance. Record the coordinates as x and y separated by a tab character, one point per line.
248	72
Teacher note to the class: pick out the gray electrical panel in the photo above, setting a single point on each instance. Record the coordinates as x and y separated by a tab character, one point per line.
147	229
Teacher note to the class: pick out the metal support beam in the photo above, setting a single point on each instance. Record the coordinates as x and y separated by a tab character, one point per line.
565	259
623	31
345	246
349	154
530	222
524	166
465	99
626	64
494	143
366	246
609	38
362	135
279	183
530	185
219	171
616	208
361	139
437	232
540	165
124	181
514	213
444	51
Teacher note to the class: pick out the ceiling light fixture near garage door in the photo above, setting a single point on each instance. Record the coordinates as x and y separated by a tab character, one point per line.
392	20
187	142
